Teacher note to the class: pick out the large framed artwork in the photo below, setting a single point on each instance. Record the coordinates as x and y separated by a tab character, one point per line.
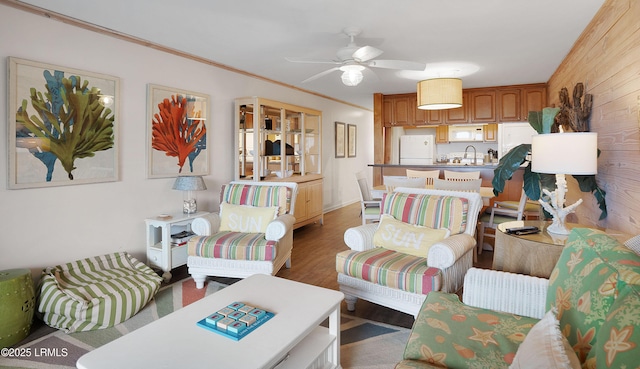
62	125
351	140
178	122
341	135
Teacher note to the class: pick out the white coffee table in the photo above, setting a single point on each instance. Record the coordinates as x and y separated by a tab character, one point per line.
291	339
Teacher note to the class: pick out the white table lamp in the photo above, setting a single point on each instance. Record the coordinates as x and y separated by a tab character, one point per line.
560	154
189	184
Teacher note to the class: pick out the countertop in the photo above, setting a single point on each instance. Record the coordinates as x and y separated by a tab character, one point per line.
437	166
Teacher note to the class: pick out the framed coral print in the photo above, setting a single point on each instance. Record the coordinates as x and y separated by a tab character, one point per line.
351	140
177	132
340	139
62	125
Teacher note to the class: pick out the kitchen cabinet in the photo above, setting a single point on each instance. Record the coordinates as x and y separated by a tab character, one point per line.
479	105
491	132
515	104
442	134
509	106
534	98
459	115
426	117
482	105
399	110
420	116
434	116
272	136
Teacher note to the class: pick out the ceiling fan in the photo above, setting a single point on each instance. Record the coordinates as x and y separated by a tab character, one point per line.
353	59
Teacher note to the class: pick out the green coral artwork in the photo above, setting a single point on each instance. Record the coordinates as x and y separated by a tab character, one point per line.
64	127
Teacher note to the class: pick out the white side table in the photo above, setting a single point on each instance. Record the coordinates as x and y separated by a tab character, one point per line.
159	251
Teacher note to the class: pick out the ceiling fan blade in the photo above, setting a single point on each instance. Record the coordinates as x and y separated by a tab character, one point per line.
397	64
309	60
321	74
366	53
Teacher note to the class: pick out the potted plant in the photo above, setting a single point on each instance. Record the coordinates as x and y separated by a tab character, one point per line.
575	117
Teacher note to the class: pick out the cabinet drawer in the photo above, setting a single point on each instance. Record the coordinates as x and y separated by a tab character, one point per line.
178	256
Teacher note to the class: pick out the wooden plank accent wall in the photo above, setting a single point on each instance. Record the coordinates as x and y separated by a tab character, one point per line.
378	137
606	58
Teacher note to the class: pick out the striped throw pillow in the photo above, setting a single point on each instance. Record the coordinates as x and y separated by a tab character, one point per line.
433	211
263	196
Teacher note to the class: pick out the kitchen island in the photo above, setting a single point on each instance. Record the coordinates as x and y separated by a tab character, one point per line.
512	188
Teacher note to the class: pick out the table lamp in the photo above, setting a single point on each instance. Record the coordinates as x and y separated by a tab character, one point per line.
187	184
560	154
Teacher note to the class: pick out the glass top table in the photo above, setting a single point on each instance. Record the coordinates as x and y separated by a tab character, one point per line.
533	254
550	238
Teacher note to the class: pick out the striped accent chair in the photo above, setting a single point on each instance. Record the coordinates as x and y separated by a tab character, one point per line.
95	293
255	236
399	278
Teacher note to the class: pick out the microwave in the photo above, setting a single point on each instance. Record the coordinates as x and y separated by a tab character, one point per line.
466	133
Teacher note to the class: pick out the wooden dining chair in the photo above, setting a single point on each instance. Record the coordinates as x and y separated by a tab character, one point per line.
469	185
391	182
497	215
369	206
429	175
461	176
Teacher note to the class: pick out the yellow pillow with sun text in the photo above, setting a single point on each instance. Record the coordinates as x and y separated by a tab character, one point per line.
246	218
393	234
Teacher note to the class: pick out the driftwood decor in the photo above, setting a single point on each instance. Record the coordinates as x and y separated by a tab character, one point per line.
574	115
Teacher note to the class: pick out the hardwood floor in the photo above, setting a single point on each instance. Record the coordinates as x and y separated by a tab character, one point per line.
313	262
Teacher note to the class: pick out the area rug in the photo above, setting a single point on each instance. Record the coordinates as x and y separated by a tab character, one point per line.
364	344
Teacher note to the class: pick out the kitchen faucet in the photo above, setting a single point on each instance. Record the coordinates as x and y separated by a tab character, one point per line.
475	157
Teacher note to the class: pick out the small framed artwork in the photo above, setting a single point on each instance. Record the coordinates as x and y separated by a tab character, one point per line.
341	135
178	122
351	140
62	125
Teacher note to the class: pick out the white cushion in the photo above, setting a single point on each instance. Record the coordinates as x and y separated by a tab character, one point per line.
634	244
545	347
245	218
407	238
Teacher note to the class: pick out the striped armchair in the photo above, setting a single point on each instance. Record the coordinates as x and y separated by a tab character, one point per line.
252	233
426	245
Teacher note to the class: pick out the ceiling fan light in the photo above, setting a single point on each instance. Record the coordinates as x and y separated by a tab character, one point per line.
440	93
352	74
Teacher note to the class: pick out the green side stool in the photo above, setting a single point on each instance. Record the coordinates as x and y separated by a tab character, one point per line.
17	304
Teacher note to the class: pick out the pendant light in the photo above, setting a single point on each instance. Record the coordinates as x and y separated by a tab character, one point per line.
440	93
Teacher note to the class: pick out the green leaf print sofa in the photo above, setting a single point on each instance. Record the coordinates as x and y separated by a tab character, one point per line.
587	314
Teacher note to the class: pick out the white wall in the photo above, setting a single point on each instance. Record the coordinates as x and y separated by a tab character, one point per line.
48	226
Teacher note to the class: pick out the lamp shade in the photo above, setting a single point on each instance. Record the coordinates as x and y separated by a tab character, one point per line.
565	153
440	93
189	183
352	74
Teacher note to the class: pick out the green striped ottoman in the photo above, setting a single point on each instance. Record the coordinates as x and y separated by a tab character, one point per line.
95	293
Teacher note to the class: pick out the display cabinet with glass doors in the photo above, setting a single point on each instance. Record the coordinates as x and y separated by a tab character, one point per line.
276	140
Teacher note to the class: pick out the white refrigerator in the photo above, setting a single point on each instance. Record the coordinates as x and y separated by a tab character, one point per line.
511	135
417	149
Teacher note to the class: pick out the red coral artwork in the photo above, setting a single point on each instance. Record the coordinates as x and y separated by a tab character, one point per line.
178	130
